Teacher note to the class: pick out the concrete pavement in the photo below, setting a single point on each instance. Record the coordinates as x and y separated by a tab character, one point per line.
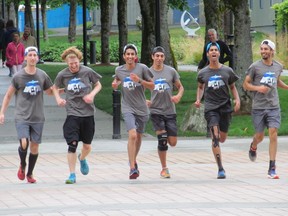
106	190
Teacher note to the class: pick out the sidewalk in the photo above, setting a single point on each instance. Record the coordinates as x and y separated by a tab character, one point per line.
106	190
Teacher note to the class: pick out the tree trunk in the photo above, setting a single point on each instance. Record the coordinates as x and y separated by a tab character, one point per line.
44	19
72	22
148	30
212	14
165	36
242	51
29	17
105	31
122	27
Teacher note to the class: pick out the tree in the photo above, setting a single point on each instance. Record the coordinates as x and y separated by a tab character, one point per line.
44	19
28	16
72	21
281	19
148	8
242	52
122	27
105	31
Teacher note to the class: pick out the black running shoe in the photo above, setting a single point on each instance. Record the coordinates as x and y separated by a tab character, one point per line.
252	153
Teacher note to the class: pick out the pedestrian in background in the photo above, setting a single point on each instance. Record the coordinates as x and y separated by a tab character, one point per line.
81	84
262	79
2	41
225	53
28	87
135	78
162	105
15	54
27	39
214	81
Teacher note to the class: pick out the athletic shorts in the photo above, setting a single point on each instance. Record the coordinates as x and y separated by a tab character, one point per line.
79	129
31	131
218	118
137	122
165	122
266	118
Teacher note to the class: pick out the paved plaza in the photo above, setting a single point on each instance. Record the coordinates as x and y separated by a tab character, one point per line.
192	190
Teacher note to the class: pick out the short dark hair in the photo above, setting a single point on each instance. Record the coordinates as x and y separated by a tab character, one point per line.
158	49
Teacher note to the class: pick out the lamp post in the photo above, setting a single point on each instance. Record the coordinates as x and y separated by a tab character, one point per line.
3	9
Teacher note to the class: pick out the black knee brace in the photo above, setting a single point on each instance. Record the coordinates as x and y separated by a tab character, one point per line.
162	142
215	139
21	145
72	147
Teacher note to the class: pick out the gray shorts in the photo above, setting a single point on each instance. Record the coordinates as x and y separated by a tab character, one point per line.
266	118
165	122
137	122
32	131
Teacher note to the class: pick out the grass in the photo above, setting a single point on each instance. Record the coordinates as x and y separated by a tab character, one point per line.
188	51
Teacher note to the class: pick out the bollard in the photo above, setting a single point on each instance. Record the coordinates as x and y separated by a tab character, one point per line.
116	94
92	52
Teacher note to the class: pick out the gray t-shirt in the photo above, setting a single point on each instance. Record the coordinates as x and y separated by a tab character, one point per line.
262	74
217	82
133	97
161	95
77	85
29	95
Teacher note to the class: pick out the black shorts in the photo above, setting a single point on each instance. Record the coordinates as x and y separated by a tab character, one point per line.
165	122
79	129
220	118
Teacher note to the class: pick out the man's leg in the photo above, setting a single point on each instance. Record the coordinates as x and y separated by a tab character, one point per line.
273	133
215	133
34	151
86	149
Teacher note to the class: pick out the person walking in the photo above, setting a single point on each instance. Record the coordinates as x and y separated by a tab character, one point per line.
27	39
214	81
262	79
15	54
81	85
225	52
2	41
135	78
162	105
28	86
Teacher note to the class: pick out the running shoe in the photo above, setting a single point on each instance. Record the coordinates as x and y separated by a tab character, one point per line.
272	174
252	153
84	166
221	174
71	179
134	174
165	173
30	179
21	173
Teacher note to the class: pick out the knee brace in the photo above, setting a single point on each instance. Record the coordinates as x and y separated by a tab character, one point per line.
215	138
162	142
21	145
72	147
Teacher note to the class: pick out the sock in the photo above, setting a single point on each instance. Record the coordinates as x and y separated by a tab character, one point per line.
32	162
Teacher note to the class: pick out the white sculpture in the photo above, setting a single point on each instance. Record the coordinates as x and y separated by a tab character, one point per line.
191	21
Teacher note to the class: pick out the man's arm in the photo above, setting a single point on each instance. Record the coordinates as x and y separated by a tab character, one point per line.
176	98
60	101
200	92
89	98
7	98
247	85
235	96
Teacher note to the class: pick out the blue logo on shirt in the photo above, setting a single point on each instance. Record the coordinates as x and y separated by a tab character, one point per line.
268	79
161	85
75	85
215	82
32	87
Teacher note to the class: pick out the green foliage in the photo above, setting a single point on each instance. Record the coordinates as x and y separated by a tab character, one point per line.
178	4
281	10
